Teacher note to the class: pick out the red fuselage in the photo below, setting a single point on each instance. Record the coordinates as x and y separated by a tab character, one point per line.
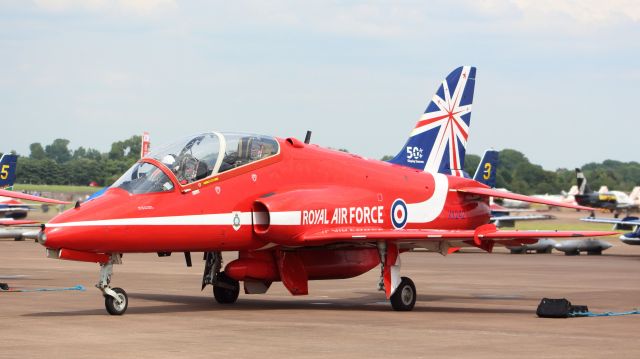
267	203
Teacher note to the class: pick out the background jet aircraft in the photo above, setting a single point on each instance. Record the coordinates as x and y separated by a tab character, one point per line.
10	207
486	173
614	201
626	224
12	211
7	178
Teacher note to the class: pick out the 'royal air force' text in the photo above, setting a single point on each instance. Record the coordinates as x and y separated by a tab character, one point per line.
344	215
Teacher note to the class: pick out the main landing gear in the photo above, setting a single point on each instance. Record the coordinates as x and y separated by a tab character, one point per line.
400	291
115	299
404	298
225	289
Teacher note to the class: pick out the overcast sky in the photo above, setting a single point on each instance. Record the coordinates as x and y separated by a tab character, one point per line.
557	79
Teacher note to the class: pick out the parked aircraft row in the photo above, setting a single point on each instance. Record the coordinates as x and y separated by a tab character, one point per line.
613	201
12	211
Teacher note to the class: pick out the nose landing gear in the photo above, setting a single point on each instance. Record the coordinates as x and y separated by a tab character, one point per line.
117	304
115	299
225	289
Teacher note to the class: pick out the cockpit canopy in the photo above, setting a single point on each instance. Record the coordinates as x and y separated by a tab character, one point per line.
196	157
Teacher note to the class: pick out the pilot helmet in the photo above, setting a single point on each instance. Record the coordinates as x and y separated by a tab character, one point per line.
255	151
168	160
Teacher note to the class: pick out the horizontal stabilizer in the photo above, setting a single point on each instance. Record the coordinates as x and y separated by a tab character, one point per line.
28	197
489	192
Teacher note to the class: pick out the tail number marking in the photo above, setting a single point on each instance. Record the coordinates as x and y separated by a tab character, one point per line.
487	171
4	172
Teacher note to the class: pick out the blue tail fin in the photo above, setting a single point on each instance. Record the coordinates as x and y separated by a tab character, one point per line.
487	168
8	170
439	140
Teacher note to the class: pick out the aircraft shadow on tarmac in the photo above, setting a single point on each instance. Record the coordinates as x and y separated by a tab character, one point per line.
188	303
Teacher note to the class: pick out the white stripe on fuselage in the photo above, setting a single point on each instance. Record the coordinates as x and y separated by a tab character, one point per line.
427	211
421	212
290	218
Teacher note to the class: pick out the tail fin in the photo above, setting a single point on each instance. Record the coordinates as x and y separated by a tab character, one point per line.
487	169
438	142
8	170
581	182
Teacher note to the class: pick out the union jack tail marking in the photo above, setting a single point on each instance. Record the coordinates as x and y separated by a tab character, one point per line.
438	142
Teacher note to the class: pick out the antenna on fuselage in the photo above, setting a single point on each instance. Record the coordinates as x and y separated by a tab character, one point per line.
307	138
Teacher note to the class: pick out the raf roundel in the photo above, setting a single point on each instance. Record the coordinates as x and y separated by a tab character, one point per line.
399	213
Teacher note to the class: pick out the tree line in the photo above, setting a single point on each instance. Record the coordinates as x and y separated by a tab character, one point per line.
56	163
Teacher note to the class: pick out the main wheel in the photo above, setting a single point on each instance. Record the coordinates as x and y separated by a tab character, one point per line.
404	298
117	307
228	290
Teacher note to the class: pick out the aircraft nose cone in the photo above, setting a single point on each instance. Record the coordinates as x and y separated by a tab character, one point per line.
42	237
55	238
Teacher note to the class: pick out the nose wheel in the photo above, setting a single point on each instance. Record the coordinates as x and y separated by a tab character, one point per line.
117	303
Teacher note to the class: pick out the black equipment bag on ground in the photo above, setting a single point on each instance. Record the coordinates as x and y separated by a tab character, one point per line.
554	308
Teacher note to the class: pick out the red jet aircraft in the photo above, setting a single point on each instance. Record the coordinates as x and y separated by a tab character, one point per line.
293	211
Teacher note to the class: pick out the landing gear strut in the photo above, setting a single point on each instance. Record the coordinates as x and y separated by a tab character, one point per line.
115	299
225	289
400	291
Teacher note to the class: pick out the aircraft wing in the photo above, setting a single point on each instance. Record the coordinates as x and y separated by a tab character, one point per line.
627	221
482	233
28	197
489	192
15	222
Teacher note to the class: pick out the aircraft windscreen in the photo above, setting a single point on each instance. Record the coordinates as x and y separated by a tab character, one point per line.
191	159
144	178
